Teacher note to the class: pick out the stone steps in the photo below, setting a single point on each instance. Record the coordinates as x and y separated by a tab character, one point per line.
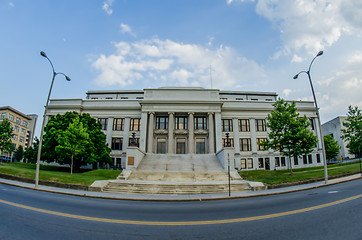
182	188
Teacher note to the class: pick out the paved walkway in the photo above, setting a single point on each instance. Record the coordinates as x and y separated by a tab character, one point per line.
198	197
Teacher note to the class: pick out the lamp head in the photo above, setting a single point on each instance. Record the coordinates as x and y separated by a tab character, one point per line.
67	78
43	54
320	53
296	76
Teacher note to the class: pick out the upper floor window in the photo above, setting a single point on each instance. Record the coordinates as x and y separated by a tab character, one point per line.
103	121
227	125
23	131
3	115
24	123
311	120
17	120
245	144
200	123
244	125
117	144
136	142
135	124
161	122
16	128
21	139
260	125
224	142
259	141
11	117
118	124
181	122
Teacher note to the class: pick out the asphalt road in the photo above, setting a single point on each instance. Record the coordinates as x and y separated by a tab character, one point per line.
333	212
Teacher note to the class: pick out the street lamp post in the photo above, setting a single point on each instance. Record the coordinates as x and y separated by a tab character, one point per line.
42	126
318	116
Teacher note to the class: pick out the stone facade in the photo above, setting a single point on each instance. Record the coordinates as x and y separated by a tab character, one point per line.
189	121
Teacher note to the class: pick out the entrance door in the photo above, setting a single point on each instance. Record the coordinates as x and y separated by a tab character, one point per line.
161	145
200	146
267	164
180	146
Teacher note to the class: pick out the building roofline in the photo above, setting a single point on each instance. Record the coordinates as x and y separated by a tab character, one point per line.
16	111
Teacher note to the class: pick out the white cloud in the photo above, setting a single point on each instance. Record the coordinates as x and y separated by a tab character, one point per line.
127	29
356	58
164	62
11	4
231	1
287	92
297	58
107	4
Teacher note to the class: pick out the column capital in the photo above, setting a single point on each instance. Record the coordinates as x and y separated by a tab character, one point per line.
152	113
210	113
190	113
171	113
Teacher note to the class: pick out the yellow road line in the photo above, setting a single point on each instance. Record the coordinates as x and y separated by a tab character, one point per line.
155	223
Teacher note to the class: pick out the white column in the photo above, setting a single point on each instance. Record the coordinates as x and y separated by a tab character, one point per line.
211	133
171	123
126	134
236	135
191	133
254	148
143	131
218	131
109	131
151	125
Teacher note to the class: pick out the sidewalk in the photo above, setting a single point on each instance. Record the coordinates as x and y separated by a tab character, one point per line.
194	197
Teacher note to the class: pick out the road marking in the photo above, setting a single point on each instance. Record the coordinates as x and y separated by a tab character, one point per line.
333	192
184	223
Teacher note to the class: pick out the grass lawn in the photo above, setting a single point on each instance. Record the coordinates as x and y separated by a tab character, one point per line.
301	174
58	174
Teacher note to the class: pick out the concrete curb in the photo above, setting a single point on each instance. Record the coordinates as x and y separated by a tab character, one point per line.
200	197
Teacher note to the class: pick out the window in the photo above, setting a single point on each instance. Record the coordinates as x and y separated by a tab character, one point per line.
21	139
259	141
11	117
117	143
25	123
260	125
135	124
103	121
244	125
305	159
227	125
23	131
161	122
311	120
296	162
261	162
118	124
15	137
254	99
16	128
277	162
245	144
282	161
250	163
137	142
268	100
139	97
243	163
239	99
200	123
124	97
224	143
180	145
181	122
17	120
3	115
109	98
318	158
310	159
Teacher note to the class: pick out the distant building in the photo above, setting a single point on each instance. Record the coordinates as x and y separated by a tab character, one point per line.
23	126
334	128
171	121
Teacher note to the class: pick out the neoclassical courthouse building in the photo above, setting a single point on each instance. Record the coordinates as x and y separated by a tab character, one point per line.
189	120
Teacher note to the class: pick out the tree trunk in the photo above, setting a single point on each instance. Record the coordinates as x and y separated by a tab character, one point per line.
71	166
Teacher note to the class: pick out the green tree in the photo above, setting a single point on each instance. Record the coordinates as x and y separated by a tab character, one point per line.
19	153
289	133
331	146
31	153
97	149
73	141
6	133
353	131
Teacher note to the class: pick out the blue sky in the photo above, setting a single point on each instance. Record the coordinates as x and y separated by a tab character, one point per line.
251	45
